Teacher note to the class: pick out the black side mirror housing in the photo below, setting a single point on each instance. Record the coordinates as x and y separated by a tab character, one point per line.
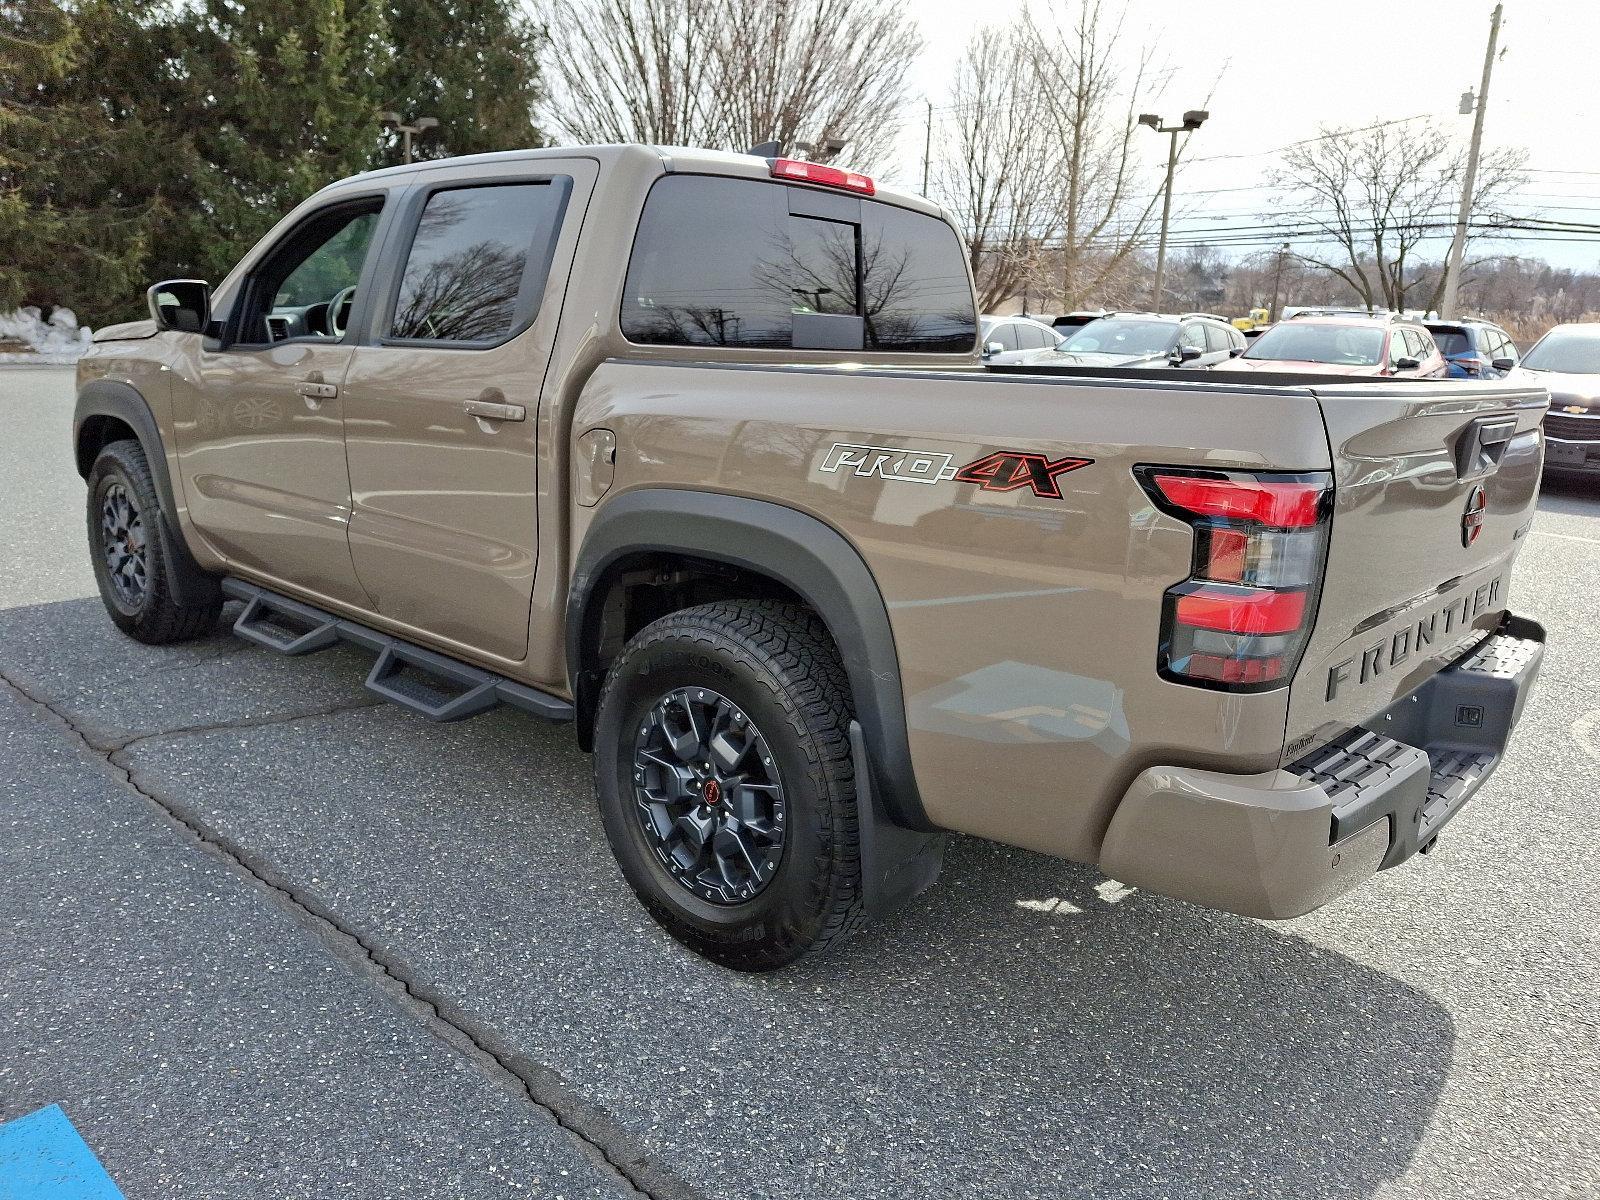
1235	351
1406	364
1504	364
181	305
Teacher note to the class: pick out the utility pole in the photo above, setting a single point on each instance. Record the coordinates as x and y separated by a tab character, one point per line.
1458	244
1277	281
927	148
391	120
1192	120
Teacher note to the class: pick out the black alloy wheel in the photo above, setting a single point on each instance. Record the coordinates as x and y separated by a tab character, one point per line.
725	779
708	796
122	543
137	561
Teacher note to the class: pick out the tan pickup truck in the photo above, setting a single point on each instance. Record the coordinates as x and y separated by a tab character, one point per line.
695	451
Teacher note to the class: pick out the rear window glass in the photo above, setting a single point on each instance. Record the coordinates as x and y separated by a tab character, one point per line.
723	262
1451	341
1347	345
478	258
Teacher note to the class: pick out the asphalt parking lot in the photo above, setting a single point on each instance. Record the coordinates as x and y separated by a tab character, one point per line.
260	937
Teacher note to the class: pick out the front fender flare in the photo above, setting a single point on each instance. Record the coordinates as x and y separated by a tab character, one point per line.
192	585
808	557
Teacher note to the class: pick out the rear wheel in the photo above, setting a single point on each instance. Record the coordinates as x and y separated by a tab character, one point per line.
725	781
131	565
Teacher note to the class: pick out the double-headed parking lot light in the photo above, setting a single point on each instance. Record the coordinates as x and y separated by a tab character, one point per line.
1192	120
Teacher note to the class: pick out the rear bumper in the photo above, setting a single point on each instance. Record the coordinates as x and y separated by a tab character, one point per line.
1281	843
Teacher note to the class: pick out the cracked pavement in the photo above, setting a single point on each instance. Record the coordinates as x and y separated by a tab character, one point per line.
260	936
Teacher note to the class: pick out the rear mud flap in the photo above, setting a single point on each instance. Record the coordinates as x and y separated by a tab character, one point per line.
897	864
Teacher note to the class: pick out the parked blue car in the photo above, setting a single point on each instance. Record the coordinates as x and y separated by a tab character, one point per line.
1474	349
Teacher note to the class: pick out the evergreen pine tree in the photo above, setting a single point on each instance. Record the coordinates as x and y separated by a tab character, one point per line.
473	64
80	165
287	100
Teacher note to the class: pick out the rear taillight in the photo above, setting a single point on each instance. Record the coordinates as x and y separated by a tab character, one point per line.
1241	620
818	173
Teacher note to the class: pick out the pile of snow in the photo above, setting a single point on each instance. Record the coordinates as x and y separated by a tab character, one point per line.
26	337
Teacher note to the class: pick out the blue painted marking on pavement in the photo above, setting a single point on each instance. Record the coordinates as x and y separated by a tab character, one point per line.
43	1158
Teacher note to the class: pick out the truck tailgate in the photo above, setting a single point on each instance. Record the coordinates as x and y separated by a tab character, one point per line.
1435	486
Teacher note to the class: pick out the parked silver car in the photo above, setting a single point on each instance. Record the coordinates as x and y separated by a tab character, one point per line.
1154	340
1011	340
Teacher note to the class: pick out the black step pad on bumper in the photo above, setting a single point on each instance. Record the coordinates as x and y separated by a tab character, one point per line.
1417	764
432	685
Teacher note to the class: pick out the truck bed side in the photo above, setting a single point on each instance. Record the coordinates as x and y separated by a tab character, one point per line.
1026	624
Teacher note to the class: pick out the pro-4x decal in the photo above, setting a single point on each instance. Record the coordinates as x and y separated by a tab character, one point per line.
1002	471
889	462
1008	470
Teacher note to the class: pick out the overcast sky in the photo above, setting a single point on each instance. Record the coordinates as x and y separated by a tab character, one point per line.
1289	66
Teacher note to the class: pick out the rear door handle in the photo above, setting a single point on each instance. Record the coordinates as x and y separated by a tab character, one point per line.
491	411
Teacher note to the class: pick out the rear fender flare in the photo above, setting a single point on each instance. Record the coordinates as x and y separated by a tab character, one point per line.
802	553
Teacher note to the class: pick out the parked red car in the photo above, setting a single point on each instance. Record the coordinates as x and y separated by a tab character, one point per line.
1344	346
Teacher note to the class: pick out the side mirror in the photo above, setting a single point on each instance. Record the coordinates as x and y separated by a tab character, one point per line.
1504	364
1186	354
182	305
1407	363
1235	351
992	348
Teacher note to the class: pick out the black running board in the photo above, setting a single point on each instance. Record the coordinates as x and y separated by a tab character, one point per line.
430	684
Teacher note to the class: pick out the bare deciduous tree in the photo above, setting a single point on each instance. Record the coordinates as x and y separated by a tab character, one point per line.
997	172
794	70
1377	194
1090	91
730	74
632	70
1039	163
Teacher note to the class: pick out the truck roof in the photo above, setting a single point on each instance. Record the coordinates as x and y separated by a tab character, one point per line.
686	159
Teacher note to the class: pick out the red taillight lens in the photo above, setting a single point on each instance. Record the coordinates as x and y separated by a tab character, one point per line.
1242	610
1241	619
809	172
1285	505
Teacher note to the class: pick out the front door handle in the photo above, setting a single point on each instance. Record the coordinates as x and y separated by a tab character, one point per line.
318	391
489	410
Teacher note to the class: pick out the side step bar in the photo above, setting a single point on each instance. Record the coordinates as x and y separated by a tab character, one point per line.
430	684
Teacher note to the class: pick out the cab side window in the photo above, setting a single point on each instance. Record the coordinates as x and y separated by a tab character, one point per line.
305	286
1194	335
477	263
1006	335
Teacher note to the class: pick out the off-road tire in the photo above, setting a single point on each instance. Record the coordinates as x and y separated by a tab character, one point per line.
155	617
779	664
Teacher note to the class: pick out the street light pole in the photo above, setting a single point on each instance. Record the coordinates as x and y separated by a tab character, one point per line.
1458	244
391	120
1192	120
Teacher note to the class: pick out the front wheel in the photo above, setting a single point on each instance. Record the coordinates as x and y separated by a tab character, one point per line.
725	780
131	564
